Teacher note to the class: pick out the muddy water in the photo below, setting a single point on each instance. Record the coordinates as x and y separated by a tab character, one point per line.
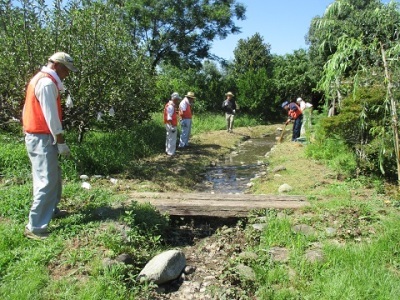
234	173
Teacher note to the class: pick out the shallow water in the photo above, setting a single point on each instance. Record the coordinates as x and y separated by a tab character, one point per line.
233	173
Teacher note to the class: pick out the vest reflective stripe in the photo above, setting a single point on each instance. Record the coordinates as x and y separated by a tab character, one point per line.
187	114
174	120
33	118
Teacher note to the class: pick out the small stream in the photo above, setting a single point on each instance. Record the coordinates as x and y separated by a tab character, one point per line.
233	173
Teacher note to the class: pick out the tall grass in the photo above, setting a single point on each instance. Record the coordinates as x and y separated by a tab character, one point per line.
214	122
105	153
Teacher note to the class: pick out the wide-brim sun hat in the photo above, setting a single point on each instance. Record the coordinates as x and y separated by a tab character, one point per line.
190	95
284	104
229	94
65	59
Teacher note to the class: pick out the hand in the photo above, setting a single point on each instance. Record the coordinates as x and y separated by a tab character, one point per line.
173	129
287	122
234	111
63	149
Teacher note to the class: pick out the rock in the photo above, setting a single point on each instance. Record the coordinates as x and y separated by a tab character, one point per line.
278	169
246	272
124	258
248	256
279	254
330	231
259	226
86	185
164	267
284	188
315	255
84	177
304	229
189	270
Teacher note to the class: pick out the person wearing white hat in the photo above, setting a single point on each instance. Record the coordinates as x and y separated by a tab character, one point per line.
304	106
44	140
185	114
171	122
229	107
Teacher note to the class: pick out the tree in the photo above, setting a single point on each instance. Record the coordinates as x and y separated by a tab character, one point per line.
252	54
179	31
371	59
112	75
252	67
294	76
20	50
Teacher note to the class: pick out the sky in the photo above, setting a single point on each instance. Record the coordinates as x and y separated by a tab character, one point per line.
281	23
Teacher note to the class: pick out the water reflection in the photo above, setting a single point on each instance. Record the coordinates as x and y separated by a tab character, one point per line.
235	171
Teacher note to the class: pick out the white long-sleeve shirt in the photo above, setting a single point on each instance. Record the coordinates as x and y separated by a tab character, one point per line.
170	110
47	92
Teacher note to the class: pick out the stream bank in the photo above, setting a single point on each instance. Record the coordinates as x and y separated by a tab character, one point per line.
210	243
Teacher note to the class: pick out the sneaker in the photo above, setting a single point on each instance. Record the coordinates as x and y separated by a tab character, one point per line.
60	213
36	236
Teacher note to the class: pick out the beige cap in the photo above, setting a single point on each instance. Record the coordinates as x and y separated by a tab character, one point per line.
175	95
229	94
65	59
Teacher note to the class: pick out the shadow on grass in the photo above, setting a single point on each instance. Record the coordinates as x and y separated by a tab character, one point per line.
175	231
186	167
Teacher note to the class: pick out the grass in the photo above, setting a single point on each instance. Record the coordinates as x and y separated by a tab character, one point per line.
361	258
71	263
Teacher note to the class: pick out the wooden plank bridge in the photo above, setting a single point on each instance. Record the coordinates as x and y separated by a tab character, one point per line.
216	205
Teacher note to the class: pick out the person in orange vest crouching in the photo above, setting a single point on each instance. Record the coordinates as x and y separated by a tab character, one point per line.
294	114
185	114
44	140
171	122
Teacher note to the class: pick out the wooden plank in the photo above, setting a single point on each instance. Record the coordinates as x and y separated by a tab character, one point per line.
221	205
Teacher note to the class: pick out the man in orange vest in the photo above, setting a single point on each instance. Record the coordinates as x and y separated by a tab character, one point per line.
296	115
42	124
171	121
185	114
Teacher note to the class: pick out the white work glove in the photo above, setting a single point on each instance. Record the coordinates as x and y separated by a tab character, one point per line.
63	149
234	111
173	129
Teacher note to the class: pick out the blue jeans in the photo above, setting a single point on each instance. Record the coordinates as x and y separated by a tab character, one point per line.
47	184
297	127
186	127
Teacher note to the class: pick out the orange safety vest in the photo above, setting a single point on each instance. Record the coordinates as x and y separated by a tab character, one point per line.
33	118
187	114
174	120
294	114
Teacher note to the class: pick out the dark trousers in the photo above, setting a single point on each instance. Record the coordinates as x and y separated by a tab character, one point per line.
297	127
